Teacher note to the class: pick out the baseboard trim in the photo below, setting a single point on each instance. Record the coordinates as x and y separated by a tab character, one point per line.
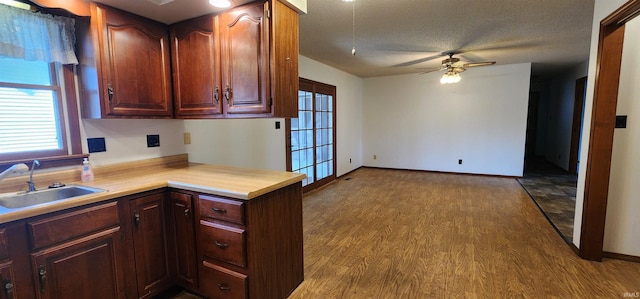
447	172
349	173
620	256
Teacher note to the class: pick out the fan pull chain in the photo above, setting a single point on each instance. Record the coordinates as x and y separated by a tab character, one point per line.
353	32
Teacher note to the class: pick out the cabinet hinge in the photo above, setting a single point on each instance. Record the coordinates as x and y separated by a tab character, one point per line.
267	13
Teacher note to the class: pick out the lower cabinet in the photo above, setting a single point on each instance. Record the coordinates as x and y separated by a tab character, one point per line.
83	268
140	245
150	244
182	218
78	254
251	248
7	278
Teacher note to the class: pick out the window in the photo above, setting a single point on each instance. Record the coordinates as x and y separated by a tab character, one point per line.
38	108
32	118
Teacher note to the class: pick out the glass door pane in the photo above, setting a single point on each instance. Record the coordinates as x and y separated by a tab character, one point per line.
312	135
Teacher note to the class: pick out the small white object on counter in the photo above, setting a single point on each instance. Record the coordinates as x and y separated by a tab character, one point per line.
87	171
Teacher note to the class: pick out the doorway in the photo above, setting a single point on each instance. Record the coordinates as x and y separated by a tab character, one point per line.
312	136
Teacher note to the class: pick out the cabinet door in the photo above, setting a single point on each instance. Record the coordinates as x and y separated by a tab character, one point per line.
284	57
150	244
135	64
196	68
7	278
245	60
84	268
185	240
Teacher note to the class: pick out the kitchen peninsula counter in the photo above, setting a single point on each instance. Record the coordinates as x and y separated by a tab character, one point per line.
175	171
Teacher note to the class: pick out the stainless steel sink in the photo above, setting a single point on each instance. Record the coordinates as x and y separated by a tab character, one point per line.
27	199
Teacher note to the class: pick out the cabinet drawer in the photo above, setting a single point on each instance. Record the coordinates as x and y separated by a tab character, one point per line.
223	243
219	282
71	225
222	209
4	244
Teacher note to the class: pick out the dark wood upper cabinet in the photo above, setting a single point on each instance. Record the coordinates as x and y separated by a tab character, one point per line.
124	66
245	63
284	60
195	46
241	63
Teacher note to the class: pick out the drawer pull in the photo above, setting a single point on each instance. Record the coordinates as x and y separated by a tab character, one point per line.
224	287
221	245
221	211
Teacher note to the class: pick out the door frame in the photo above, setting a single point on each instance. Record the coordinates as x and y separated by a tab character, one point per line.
329	89
576	127
605	99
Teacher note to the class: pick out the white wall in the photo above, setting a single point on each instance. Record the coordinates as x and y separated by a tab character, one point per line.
349	95
559	117
621	230
126	139
252	143
621	234
414	122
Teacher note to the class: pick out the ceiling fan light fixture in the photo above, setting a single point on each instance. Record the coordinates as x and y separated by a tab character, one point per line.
450	77
220	3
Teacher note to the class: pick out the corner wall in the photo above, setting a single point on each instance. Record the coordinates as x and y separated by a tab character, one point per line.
349	102
414	122
621	235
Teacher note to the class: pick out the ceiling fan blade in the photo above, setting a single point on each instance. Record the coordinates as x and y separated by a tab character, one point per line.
410	63
475	64
431	70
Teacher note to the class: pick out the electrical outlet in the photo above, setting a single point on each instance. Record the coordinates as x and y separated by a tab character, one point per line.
153	140
375	157
187	138
459	161
349	160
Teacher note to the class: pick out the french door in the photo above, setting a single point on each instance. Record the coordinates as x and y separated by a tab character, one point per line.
312	147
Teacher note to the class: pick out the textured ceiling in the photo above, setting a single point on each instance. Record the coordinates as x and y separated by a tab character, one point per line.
390	35
397	36
171	12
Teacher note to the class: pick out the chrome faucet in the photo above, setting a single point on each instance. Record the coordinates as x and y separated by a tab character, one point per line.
32	186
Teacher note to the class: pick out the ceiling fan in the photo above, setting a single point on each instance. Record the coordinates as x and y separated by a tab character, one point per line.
454	66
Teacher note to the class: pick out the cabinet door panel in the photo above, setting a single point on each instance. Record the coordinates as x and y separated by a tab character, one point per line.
150	244
136	66
7	278
196	68
245	60
84	268
185	242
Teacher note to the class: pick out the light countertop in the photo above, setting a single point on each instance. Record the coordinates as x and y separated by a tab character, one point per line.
234	182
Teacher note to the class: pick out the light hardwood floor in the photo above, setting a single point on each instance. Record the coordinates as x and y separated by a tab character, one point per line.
405	234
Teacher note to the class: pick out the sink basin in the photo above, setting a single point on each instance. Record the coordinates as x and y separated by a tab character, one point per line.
27	199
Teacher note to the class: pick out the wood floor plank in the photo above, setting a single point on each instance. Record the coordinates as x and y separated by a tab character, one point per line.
406	234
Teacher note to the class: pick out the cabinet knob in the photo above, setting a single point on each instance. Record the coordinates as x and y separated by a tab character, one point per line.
216	93
8	288
42	274
136	219
186	213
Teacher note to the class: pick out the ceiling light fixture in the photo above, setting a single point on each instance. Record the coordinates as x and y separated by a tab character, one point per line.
450	77
220	3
